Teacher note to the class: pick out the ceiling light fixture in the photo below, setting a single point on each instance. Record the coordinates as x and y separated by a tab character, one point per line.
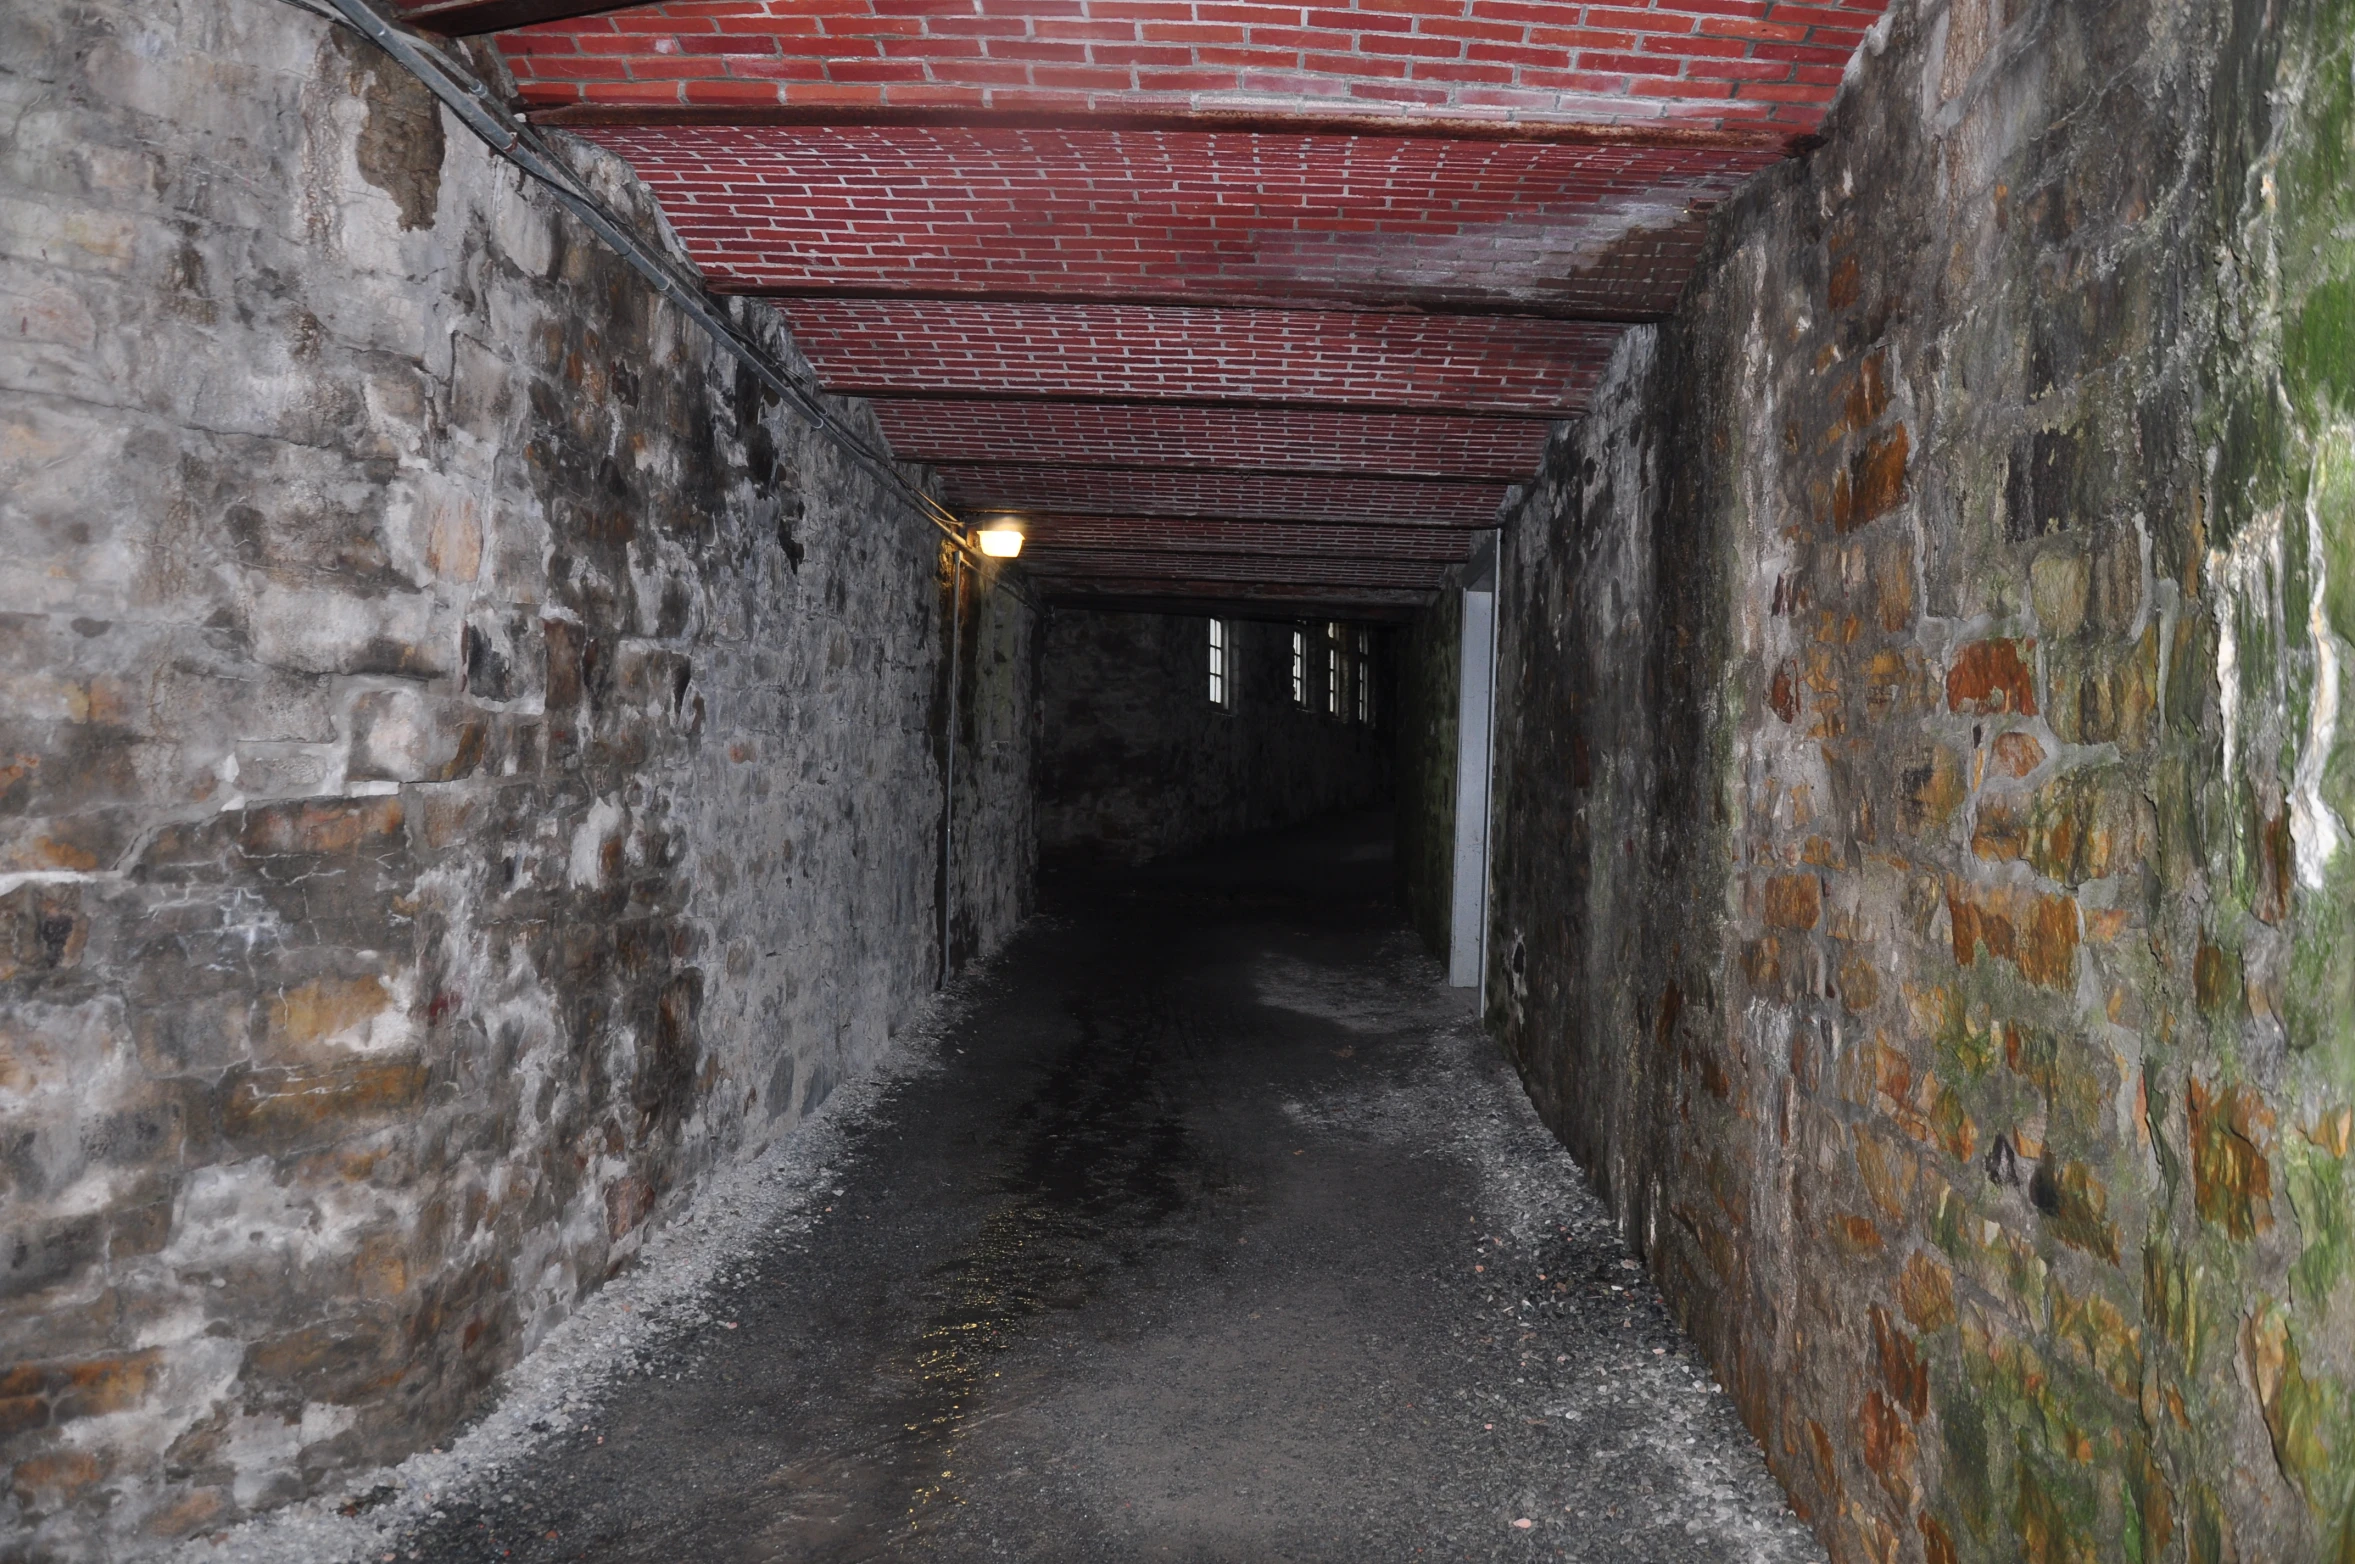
1000	537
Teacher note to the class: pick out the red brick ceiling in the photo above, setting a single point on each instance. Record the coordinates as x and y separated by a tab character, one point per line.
1239	303
1230	218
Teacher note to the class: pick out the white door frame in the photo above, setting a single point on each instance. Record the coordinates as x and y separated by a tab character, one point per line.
1467	939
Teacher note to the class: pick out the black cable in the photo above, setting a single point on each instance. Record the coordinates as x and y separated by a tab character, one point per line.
464	93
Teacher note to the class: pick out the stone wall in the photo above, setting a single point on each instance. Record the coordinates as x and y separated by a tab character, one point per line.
1923	891
1429	670
1135	761
993	844
468	764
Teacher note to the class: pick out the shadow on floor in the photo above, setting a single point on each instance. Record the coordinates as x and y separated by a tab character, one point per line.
1215	1232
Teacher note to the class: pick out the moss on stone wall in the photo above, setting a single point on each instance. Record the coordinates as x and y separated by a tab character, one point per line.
1944	948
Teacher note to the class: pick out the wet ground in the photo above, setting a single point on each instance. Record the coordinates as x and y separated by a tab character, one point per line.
1218	1233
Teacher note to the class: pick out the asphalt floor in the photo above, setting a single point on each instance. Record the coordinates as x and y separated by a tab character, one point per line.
1218	1232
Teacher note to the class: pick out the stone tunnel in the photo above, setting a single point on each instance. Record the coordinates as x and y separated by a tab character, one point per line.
1195	779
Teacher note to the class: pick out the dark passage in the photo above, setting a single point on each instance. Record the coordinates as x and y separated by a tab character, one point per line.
1218	1232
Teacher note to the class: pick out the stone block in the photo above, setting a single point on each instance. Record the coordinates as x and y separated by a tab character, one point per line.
1925	1292
190	1033
1934	790
2015	754
342	1362
1793	901
405	735
504	654
326	1010
2058	584
287	770
330	827
81	1387
1873	483
42	1253
44	929
277	1111
1890	1448
316	630
1992	677
2105	693
2036	932
2232	1174
55	1479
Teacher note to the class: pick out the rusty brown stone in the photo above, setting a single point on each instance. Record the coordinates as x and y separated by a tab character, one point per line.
330	827
2046	1534
2216	979
1846	283
1893	584
1925	1292
1827	1462
280	1110
56	1478
42	930
1887	1171
1794	901
2048	952
1873	483
1904	1375
1937	1541
1860	982
1891	1452
308	1012
345	1361
2232	1176
1782	694
93	1387
1854	1235
2156	1500
2038	933
21	1414
2079	1209
1952	1123
2087	826
2276	871
2016	753
628	1200
191	1512
2000	833
1991	677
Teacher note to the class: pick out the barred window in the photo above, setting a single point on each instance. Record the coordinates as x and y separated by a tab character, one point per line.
1336	670
1364	676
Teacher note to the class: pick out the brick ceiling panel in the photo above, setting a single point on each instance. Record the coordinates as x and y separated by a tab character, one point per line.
1710	62
1240	303
1286	569
1224	535
1439	502
1213	218
1216	437
1302	358
1244	601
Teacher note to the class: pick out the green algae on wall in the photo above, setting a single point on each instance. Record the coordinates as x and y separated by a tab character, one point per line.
2278	571
1924	895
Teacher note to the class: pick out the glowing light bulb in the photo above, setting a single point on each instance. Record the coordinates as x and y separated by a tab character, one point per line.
1001	540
